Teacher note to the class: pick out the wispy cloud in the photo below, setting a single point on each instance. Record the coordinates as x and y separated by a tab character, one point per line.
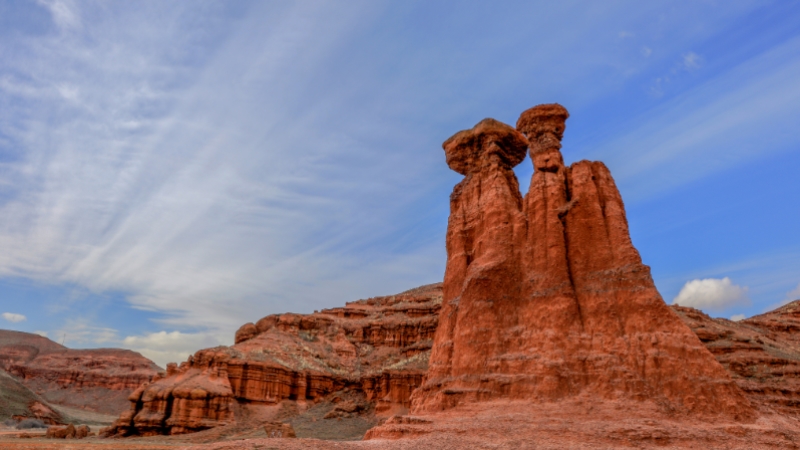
163	347
739	115
286	157
794	294
65	13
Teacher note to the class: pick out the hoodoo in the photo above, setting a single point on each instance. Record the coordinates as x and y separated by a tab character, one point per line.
545	297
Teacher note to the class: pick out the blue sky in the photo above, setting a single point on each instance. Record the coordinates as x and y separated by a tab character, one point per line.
172	170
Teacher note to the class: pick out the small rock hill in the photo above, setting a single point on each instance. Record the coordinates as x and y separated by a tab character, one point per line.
97	380
761	353
377	347
18	402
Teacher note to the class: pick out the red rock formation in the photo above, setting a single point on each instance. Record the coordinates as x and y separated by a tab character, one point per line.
378	346
761	353
545	298
96	379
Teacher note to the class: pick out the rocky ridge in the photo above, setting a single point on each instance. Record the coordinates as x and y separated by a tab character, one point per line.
761	353
95	379
379	346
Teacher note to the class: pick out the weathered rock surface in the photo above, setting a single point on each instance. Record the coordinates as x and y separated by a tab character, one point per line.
279	430
378	346
761	353
17	402
68	432
545	297
95	379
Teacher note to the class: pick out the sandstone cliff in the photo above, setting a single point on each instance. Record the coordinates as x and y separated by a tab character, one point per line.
545	297
95	379
378	346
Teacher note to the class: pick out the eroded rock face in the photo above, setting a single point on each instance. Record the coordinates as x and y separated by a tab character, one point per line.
378	346
762	353
96	379
545	296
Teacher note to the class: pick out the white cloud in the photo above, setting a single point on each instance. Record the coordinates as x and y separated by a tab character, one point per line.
164	347
712	294
692	61
14	318
794	294
79	333
738	317
41	333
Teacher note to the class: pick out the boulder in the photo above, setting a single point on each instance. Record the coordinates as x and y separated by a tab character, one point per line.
279	430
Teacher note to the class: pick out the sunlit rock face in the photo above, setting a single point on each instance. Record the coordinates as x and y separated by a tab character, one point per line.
379	347
545	297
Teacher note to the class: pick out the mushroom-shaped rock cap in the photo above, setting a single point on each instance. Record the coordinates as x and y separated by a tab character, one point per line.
469	150
543	118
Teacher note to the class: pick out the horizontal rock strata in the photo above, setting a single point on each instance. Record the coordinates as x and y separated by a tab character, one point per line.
378	346
96	379
762	353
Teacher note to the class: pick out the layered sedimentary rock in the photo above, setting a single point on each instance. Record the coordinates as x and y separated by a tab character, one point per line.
545	297
96	379
378	346
761	353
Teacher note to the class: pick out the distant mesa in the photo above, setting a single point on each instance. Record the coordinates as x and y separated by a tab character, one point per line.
376	349
97	380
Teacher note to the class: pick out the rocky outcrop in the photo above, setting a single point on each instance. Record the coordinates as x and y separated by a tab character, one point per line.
279	430
96	379
545	297
17	402
379	347
761	353
68	432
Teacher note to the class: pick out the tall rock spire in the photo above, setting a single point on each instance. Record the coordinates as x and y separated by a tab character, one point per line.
545	297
